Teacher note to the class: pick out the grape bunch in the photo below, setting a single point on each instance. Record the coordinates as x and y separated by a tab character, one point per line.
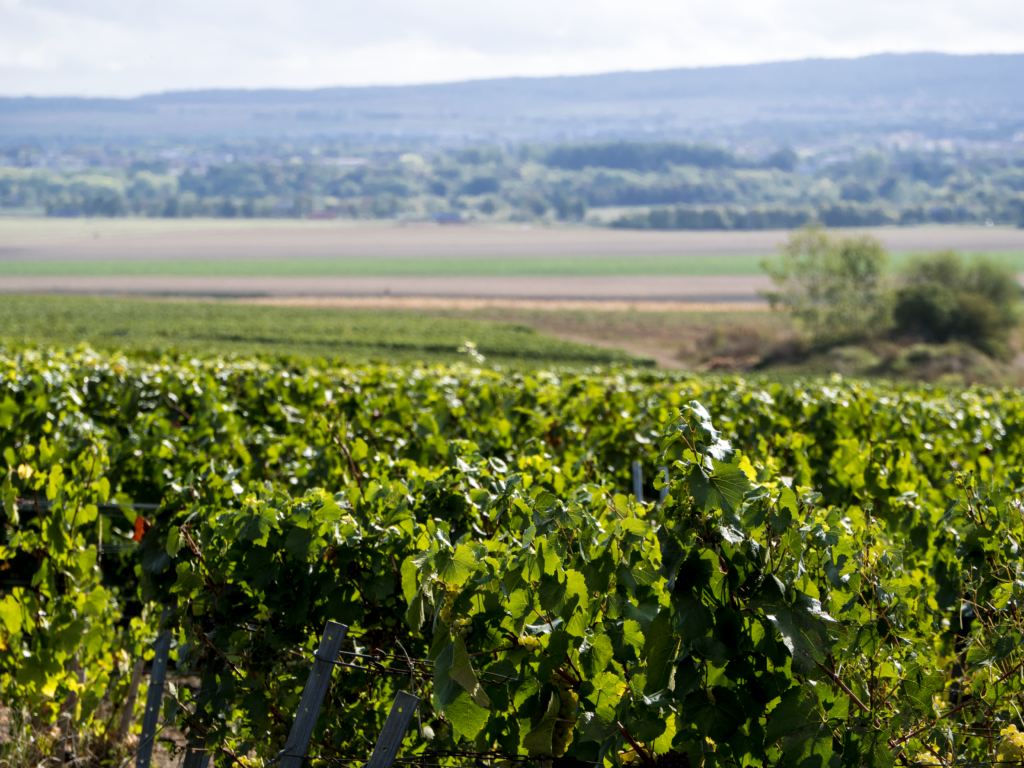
632	757
628	757
562	736
460	625
529	643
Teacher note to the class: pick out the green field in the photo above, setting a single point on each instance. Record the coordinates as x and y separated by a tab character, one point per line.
353	336
485	266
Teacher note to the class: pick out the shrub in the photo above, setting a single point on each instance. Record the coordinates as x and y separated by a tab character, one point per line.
832	285
943	297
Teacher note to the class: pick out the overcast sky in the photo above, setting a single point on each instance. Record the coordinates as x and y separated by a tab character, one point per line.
130	47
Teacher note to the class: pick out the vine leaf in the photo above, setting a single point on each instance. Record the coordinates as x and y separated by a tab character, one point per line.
416	613
802	625
632	634
604	691
797	709
716	716
596	655
538	740
809	747
462	706
593	728
455	567
660	650
10	615
722	488
461	671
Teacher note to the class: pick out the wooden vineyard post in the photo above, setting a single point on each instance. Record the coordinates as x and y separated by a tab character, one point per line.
195	754
313	696
124	724
390	739
638	481
154	694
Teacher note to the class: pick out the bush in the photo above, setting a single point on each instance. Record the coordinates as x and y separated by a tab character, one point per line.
832	285
943	297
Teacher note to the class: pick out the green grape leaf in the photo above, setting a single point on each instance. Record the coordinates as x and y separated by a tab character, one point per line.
798	708
722	488
453	664
188	581
551	592
466	717
918	688
520	608
173	541
10	615
410	584
808	747
803	626
692	618
660	649
416	613
256	526
576	587
538	741
451	696
596	655
633	635
455	567
604	691
716	715
297	542
593	728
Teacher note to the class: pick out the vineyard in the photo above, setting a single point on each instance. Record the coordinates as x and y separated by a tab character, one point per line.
821	573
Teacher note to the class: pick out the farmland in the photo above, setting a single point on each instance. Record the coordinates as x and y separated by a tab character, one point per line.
355	336
832	576
830	573
217	258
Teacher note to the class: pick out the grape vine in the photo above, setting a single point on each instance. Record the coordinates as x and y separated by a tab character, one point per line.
833	578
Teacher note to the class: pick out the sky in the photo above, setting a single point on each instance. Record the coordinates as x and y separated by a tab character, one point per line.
131	47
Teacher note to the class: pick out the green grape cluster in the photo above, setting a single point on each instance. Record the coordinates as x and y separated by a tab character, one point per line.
529	643
460	625
561	738
630	756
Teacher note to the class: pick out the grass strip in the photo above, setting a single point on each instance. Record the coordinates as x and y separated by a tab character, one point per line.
351	335
483	266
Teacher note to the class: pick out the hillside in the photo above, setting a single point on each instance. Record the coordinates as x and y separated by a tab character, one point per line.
936	94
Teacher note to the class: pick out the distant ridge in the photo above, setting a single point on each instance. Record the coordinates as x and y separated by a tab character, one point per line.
886	91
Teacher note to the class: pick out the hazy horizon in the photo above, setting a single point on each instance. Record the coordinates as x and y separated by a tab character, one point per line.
471	79
103	48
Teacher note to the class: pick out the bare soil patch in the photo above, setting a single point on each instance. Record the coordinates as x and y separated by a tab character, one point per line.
57	239
701	288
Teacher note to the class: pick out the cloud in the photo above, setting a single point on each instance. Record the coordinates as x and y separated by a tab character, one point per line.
122	48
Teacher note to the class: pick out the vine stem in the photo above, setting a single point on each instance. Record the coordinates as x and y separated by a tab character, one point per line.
496	650
639	750
846	689
923	728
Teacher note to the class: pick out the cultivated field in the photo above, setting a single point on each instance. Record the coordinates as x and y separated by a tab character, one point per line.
301	258
175	240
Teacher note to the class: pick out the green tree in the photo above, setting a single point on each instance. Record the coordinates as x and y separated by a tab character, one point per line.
944	297
833	286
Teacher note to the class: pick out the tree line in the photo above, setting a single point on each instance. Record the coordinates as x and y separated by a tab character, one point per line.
659	185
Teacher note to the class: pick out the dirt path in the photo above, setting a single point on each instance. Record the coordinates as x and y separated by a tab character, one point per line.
435	303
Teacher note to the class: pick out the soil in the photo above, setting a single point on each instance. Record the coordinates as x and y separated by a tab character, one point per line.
106	239
673	288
